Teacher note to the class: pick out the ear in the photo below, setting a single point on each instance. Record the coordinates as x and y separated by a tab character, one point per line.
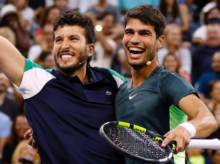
90	49
160	41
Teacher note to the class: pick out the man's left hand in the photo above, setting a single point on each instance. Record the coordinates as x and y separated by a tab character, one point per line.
180	135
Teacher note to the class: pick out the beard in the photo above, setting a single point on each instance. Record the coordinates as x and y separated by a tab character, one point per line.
81	60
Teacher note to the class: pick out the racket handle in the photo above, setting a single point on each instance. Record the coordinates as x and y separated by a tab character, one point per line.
204	144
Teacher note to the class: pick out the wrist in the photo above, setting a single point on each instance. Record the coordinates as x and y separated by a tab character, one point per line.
190	127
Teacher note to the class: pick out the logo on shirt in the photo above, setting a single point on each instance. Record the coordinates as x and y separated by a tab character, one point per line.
131	97
108	93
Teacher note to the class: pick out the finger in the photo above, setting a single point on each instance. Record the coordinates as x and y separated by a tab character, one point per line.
27	134
34	144
180	145
166	142
30	140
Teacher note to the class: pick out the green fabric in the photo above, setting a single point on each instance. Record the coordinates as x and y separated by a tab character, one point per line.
116	74
177	117
29	65
199	159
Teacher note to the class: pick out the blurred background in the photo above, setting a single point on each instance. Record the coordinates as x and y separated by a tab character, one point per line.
191	49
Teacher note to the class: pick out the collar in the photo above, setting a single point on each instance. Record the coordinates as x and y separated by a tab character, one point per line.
93	75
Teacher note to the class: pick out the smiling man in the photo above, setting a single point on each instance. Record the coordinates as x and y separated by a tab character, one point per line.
152	98
66	108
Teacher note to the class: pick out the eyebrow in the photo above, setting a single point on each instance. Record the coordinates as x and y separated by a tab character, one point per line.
139	31
68	36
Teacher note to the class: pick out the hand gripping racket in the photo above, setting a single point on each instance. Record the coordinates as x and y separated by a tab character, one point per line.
142	145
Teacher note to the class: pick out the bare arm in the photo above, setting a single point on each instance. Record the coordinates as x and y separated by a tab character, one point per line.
200	117
184	16
103	40
12	63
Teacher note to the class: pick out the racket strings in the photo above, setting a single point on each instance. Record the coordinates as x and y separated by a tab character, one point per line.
136	143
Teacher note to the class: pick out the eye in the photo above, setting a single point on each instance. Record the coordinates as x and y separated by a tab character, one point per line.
58	40
128	32
145	33
73	38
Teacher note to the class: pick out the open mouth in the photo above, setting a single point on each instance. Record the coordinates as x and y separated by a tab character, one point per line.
135	50
66	56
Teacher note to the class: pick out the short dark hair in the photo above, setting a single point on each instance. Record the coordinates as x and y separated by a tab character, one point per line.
148	15
74	18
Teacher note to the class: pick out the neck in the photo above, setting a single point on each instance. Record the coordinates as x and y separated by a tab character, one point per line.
140	75
2	97
81	73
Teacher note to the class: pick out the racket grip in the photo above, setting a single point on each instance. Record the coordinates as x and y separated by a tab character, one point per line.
204	144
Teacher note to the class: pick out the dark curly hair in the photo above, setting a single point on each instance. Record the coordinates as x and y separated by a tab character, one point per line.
148	15
74	18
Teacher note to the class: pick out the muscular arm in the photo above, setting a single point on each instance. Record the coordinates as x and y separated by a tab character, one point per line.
12	63
200	117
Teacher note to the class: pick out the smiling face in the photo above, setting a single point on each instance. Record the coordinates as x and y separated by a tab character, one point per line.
21	126
173	36
70	48
170	63
140	43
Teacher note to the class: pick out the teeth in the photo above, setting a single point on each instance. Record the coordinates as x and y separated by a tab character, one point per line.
135	49
66	56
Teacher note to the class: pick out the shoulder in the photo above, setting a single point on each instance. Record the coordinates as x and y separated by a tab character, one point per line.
167	79
110	74
34	79
119	79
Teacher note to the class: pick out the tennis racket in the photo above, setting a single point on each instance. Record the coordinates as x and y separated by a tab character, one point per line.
142	145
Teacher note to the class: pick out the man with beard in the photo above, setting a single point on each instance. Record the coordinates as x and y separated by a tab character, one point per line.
152	98
66	108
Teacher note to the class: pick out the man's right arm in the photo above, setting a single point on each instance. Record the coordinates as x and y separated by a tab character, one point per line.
12	63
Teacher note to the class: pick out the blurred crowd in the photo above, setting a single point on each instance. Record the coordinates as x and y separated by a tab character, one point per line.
191	49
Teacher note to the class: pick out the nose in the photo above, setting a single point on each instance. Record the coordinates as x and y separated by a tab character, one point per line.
135	39
65	44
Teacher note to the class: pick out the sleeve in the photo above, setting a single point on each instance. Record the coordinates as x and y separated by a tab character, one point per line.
186	60
5	128
118	78
34	79
173	88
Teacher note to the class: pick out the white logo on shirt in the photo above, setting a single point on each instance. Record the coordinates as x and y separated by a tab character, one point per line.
131	97
108	93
